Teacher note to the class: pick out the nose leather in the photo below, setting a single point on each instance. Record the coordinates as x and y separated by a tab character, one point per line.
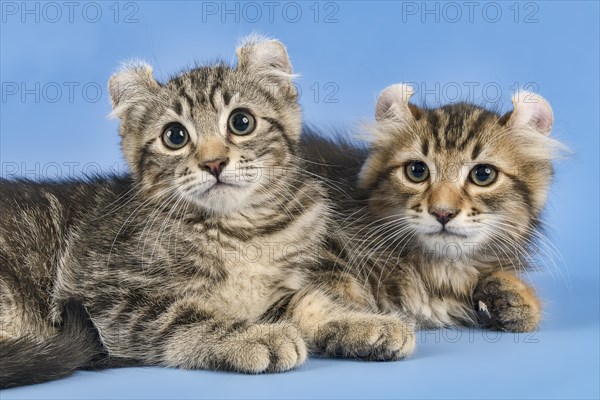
215	166
442	215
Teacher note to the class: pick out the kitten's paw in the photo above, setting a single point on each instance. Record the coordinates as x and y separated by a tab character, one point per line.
267	348
504	302
368	337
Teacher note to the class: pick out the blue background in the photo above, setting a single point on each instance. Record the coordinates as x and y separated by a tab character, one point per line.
350	51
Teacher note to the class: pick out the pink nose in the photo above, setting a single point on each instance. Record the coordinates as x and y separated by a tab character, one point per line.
443	215
216	166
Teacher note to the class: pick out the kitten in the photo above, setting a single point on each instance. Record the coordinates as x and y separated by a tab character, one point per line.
436	219
206	256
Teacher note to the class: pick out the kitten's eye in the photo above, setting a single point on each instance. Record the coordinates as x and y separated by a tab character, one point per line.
175	136
417	171
241	122
483	174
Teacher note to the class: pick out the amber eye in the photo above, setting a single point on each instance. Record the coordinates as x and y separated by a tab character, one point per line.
417	171
241	122
483	174
175	136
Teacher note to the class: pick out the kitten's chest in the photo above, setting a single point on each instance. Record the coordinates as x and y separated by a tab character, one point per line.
437	295
243	268
254	275
251	288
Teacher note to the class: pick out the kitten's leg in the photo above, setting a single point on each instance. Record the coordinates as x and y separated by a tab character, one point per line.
507	303
185	334
338	319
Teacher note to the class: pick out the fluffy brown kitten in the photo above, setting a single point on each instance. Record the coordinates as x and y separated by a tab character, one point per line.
446	204
206	256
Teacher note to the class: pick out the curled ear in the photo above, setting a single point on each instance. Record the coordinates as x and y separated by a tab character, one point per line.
132	83
530	110
393	102
263	55
268	59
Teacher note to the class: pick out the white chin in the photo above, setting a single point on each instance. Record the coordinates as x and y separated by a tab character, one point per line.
449	246
223	199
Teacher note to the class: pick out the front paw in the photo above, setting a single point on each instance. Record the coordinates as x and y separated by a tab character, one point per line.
267	348
504	302
367	337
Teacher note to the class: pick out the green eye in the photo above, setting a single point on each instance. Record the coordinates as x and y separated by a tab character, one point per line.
417	171
483	174
241	122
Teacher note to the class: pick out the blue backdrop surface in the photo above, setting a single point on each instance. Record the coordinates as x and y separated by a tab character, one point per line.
56	58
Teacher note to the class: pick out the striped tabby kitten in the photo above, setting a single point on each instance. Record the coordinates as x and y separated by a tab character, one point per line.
202	258
449	201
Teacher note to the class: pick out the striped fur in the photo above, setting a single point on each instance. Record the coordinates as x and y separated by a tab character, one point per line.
466	272
177	265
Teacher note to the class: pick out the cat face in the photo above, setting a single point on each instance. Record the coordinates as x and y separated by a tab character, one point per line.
460	175
217	136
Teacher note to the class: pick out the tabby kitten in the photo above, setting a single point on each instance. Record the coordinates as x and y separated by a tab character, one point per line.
448	204
201	258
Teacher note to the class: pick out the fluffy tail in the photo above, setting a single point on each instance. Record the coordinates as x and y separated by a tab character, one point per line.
27	360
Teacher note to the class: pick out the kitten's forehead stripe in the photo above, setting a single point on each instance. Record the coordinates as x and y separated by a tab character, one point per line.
178	107
454	127
425	147
434	121
462	123
226	98
477	125
476	151
455	119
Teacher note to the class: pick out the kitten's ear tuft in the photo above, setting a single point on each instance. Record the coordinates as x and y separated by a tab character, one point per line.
393	102
133	82
531	110
263	55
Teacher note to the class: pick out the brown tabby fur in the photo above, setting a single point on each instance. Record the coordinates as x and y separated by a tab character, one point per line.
466	272
174	264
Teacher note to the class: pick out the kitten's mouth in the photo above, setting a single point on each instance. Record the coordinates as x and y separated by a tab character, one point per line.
444	232
221	185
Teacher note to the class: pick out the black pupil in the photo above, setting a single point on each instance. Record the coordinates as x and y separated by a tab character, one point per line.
418	170
240	122
483	173
176	135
